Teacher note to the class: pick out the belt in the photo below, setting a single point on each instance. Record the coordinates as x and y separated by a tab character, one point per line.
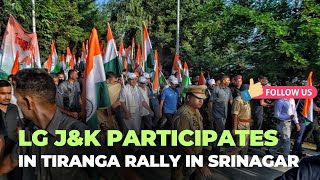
245	120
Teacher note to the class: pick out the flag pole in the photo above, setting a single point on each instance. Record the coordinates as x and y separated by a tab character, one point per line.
33	27
178	26
33	17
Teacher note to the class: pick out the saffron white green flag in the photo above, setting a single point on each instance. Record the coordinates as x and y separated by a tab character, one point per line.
68	59
148	56
186	79
95	92
177	67
110	61
121	57
55	62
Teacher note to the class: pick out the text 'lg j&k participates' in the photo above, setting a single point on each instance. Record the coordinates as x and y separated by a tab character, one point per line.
173	138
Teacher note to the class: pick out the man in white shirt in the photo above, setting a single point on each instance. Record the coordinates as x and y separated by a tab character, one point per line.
132	101
146	116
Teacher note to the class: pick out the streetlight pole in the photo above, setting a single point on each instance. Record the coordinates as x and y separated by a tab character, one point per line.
178	26
33	29
33	17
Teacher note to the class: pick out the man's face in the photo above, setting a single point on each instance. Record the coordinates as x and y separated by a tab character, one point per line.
61	77
238	82
226	81
74	76
218	82
233	81
133	82
112	80
263	81
196	80
212	86
5	95
173	86
143	85
195	102
56	81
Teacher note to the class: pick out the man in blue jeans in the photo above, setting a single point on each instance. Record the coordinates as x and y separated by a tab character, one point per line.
169	102
257	106
302	135
284	116
218	106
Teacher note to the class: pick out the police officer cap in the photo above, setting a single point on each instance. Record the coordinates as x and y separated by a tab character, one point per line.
198	91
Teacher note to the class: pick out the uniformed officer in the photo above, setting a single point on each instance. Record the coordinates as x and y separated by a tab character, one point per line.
241	115
188	117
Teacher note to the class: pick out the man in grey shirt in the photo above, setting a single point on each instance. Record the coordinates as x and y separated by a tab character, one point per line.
218	105
9	122
71	95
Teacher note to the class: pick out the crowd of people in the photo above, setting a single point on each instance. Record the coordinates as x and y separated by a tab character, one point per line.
52	101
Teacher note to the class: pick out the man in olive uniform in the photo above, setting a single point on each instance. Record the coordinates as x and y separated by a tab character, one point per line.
188	117
241	115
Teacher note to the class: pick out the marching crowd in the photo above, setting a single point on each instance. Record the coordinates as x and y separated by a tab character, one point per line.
218	106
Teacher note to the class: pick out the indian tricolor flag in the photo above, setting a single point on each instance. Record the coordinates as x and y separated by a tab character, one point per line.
148	57
83	53
68	59
177	67
46	64
57	66
156	72
308	104
110	58
72	63
202	80
95	88
121	56
54	57
138	61
186	79
63	62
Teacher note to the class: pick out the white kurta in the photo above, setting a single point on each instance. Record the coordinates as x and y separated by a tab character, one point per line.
145	94
133	99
